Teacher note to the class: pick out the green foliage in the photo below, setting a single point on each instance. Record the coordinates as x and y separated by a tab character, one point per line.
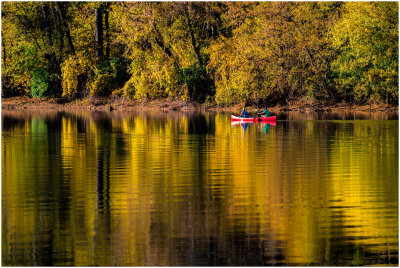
367	39
39	83
20	56
28	49
198	82
109	75
18	68
44	83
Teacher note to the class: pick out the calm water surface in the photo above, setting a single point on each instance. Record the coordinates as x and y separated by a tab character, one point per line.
123	189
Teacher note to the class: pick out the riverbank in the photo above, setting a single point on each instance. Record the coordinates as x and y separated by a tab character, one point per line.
108	104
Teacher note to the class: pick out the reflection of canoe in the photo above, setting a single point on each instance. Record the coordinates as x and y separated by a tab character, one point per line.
240	123
253	119
273	123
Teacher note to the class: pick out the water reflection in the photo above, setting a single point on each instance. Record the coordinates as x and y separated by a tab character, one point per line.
338	115
190	189
264	127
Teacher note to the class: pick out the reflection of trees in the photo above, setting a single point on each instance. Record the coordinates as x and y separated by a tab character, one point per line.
338	115
189	189
353	180
29	224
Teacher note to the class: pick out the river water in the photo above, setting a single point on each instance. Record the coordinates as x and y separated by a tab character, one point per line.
191	189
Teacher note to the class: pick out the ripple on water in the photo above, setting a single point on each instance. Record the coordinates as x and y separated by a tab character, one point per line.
138	189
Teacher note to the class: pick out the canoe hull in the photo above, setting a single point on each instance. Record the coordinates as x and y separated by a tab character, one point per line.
253	119
234	123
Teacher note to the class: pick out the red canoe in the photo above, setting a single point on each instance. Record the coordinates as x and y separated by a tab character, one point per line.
253	119
273	123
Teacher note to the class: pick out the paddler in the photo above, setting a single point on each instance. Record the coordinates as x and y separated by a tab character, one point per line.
264	113
244	113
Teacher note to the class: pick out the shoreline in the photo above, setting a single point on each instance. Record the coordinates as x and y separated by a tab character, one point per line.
107	104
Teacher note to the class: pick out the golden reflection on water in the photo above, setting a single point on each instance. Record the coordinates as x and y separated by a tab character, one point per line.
182	189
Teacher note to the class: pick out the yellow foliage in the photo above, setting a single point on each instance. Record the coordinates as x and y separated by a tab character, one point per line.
102	85
73	70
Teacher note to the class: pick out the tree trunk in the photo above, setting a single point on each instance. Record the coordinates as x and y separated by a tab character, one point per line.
59	31
159	39
98	35
61	12
107	25
191	32
4	56
52	55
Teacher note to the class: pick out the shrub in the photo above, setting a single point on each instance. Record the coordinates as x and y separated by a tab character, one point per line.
109	75
129	89
39	84
77	72
199	83
102	85
154	76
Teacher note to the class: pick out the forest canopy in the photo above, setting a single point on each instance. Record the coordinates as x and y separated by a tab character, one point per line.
227	52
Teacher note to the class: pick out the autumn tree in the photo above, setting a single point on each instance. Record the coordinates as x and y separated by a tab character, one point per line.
367	37
98	66
276	51
233	52
165	42
32	42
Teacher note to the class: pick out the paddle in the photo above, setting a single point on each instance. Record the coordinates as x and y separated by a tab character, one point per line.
258	116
